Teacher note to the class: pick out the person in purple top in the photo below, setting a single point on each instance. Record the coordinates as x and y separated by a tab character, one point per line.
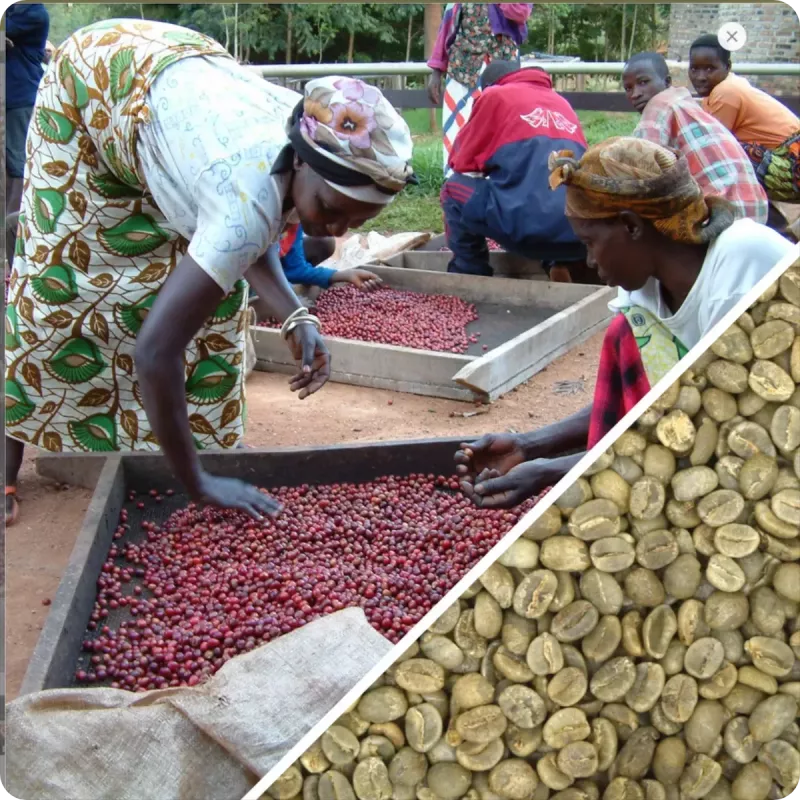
471	36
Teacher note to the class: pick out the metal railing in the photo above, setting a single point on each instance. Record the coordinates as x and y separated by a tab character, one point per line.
553	67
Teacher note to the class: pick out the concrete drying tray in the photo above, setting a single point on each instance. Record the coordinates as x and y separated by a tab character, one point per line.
59	648
430	257
526	325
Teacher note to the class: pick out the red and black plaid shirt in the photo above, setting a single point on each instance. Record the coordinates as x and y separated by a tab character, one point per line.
621	379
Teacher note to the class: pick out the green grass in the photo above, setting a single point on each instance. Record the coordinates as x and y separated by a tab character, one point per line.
419	120
597	125
601	125
412	211
428	163
417	208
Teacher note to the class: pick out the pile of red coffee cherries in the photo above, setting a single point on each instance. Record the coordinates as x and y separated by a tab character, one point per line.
390	316
209	584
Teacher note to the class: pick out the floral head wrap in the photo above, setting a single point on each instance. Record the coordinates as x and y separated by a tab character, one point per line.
349	134
628	174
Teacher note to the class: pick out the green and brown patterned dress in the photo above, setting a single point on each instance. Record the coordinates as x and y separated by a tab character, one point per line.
93	251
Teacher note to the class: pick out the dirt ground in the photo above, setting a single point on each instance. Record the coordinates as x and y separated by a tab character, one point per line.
39	546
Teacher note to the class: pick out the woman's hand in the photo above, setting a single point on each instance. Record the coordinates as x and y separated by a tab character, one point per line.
313	358
491	489
500	452
213	490
435	87
360	278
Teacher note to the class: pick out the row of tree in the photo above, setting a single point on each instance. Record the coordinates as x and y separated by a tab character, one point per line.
260	33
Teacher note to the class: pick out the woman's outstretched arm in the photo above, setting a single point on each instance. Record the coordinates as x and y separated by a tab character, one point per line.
183	305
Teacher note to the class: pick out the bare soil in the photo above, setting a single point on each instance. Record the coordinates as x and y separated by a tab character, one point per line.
38	547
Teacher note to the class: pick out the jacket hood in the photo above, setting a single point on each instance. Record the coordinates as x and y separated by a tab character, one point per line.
534	75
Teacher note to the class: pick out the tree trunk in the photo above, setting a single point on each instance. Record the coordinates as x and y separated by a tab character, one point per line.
319	34
656	23
408	45
622	32
236	31
433	19
141	10
227	30
551	32
633	30
351	44
288	34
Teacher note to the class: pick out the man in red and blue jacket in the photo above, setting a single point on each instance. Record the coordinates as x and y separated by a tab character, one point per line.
499	187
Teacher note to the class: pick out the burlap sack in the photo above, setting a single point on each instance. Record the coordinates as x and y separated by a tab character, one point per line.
210	742
791	213
359	250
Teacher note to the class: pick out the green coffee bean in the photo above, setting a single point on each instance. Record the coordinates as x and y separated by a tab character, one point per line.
514	779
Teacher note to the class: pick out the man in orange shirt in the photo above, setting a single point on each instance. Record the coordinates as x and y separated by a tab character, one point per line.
767	130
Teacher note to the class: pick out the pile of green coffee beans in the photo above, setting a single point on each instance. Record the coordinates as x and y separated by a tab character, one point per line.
640	641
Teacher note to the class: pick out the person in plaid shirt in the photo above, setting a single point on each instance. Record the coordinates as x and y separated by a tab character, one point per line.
672	118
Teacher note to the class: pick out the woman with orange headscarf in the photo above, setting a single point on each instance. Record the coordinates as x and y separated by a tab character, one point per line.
681	263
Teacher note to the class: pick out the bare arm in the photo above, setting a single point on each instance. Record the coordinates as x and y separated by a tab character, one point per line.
561	437
187	299
492	490
506	470
184	303
276	298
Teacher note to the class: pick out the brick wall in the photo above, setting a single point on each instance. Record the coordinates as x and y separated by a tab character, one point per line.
773	34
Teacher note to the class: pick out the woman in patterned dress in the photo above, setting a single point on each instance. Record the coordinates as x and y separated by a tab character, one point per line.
160	173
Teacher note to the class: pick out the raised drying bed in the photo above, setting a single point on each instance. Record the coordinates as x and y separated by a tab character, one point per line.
525	324
430	257
59	648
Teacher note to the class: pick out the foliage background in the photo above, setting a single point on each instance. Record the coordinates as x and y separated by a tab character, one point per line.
365	32
260	33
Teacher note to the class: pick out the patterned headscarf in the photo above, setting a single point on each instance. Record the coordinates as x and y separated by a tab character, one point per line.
349	134
627	174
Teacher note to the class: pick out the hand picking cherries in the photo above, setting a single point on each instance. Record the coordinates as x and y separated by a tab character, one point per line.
390	316
209	584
